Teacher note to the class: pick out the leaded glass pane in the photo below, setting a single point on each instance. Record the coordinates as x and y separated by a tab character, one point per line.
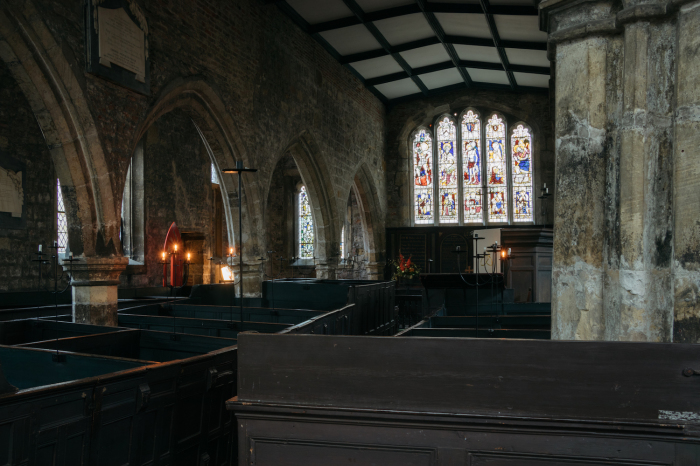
342	242
521	143
306	226
498	206
496	169
447	166
61	221
423	177
471	165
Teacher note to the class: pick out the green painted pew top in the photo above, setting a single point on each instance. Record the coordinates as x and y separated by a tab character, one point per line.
16	332
211	327
505	322
14	363
529	334
144	345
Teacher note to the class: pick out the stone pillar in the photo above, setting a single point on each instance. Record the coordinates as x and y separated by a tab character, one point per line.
326	271
94	281
686	182
375	270
583	44
646	175
252	278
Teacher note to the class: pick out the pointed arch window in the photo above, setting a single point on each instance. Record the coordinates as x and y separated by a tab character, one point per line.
497	180
447	168
306	226
61	220
489	179
521	147
423	177
471	166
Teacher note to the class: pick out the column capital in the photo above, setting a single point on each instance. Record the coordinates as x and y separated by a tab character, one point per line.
96	271
566	20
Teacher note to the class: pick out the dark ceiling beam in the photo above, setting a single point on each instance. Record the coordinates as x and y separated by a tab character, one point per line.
440	34
475	8
379	37
387	78
455	40
477	85
301	22
486	6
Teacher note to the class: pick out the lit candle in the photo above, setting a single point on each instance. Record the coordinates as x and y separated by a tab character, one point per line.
503	254
40	248
163	255
175	247
188	256
230	251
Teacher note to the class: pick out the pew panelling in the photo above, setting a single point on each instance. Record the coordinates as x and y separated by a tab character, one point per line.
465	401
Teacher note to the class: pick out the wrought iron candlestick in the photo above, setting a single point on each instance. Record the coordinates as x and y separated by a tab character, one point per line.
240	170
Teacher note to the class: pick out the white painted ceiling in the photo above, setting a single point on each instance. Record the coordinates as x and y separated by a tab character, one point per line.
402	49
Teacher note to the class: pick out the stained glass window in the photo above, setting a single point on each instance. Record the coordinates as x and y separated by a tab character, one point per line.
423	177
447	167
496	170
61	221
342	242
306	226
214	176
521	147
471	166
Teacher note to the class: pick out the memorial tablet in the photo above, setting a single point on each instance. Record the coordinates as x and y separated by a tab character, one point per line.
117	43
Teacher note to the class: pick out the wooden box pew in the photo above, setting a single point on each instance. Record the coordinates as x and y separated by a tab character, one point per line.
143	345
433	401
529	334
338	322
16	332
206	327
250	314
497	309
492	322
99	410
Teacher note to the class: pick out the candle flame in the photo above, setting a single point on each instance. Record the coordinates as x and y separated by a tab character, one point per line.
175	247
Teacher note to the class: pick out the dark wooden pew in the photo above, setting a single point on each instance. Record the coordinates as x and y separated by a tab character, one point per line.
479	402
492	322
143	345
207	327
16	332
534	334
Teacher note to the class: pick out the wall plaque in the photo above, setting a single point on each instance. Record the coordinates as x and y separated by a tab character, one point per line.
13	181
117	43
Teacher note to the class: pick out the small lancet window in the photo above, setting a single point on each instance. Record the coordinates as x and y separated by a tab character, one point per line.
447	167
471	163
61	220
342	242
521	144
423	177
496	170
306	226
214	176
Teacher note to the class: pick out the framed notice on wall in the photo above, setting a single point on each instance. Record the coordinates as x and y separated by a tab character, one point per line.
116	36
13	182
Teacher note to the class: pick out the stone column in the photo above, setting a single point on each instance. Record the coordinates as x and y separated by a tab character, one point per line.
375	270
252	278
583	42
94	281
326	271
686	183
646	175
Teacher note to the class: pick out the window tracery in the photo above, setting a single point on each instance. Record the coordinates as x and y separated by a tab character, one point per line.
306	226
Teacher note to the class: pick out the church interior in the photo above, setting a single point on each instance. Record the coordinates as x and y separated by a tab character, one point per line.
368	232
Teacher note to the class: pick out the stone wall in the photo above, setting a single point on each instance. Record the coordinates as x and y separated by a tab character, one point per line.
627	103
21	139
252	80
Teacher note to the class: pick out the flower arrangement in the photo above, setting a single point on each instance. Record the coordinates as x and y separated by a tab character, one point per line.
404	268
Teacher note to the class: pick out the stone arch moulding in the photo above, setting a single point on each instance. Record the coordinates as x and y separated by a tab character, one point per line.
219	134
314	173
372	218
63	114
